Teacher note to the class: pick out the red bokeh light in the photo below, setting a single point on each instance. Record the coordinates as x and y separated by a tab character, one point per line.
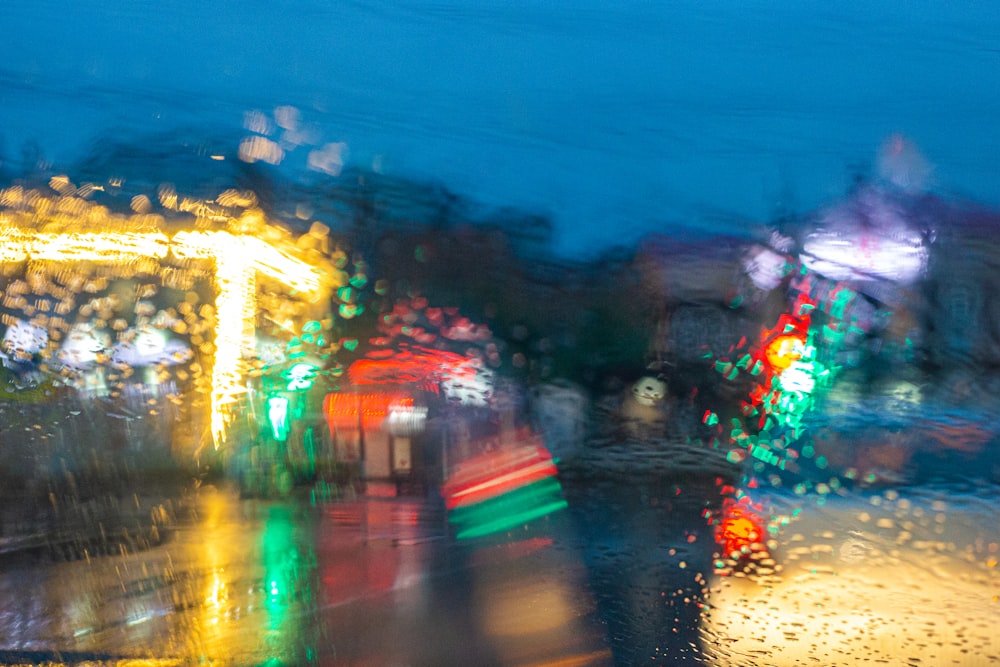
741	530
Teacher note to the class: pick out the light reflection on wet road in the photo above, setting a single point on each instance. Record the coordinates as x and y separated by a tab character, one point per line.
369	582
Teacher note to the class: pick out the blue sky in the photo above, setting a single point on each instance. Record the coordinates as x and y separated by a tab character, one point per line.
616	118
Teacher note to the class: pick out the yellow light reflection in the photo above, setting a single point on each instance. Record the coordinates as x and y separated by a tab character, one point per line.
873	581
888	615
138	662
528	603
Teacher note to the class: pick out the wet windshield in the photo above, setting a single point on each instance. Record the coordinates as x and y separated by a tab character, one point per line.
396	333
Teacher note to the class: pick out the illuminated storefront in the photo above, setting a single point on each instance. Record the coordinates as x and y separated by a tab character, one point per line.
374	427
67	260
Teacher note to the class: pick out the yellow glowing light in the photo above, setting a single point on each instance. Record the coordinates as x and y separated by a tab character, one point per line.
13	244
274	263
237	260
783	351
41	228
104	247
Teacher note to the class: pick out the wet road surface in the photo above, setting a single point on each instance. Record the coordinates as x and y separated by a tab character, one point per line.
624	575
373	581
